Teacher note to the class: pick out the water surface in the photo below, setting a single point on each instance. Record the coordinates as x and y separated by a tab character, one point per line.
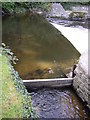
43	52
58	103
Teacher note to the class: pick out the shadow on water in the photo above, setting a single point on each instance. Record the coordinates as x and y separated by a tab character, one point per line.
38	45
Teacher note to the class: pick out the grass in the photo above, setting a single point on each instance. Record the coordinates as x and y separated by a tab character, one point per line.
11	100
14	104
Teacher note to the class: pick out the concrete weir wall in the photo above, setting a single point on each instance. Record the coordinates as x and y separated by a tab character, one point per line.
55	82
81	81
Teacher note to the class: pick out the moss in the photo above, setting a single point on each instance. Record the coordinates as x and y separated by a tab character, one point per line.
16	102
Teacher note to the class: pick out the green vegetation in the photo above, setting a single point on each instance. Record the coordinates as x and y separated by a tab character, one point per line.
16	102
20	7
68	5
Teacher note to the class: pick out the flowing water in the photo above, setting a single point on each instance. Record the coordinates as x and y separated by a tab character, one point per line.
58	103
71	23
43	52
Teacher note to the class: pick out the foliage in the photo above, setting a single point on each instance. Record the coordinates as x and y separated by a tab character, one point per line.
14	7
8	6
68	5
16	102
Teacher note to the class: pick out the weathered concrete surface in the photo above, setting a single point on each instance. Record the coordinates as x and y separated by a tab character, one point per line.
57	82
81	81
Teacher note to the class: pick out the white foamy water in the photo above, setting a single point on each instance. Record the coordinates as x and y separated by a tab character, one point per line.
77	36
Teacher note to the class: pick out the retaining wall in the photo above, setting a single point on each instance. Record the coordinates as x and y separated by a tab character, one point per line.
81	81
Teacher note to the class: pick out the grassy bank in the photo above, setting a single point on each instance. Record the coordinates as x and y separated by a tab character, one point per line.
16	102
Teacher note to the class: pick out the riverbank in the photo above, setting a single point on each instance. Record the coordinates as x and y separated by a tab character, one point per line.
77	36
15	101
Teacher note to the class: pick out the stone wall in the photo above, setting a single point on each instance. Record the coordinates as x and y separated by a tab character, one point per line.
82	79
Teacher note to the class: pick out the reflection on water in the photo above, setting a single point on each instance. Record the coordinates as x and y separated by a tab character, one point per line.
38	46
58	103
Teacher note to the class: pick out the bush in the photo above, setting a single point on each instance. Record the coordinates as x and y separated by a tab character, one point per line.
14	7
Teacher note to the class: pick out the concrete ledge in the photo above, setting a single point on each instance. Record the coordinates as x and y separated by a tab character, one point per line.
57	82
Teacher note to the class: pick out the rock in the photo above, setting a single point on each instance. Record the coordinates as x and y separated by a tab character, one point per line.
50	71
58	11
79	12
83	61
78	15
82	79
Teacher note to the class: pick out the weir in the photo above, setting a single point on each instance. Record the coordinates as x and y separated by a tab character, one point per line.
75	36
56	82
36	50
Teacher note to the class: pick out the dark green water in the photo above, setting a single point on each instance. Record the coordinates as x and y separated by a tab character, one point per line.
43	52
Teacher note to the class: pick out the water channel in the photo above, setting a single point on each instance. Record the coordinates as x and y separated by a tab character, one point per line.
58	103
43	52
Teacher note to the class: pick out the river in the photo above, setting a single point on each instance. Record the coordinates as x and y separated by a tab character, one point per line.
58	103
43	52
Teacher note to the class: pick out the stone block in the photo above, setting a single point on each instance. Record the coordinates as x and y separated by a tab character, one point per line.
81	81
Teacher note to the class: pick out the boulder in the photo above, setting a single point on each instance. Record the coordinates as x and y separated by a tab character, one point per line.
58	11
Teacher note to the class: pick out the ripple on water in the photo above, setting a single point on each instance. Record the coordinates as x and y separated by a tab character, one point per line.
58	103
